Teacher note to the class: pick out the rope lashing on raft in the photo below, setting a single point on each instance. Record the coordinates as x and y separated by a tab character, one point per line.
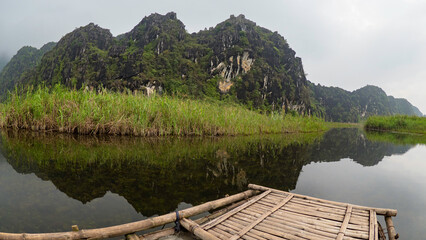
177	223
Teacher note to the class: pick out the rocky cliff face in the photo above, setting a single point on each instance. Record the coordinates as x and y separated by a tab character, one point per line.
78	59
248	57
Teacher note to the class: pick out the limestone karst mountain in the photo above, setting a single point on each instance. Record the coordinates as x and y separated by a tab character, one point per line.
235	60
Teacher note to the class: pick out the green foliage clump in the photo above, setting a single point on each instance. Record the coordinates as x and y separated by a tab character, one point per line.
399	123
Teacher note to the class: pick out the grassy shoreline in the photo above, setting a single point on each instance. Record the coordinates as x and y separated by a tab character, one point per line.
399	123
104	112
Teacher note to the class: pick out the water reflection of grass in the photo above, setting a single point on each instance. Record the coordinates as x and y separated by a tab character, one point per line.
397	138
44	148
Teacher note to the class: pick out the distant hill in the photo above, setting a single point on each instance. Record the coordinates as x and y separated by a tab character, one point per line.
26	59
336	104
235	60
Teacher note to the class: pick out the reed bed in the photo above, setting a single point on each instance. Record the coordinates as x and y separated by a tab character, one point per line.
105	112
398	123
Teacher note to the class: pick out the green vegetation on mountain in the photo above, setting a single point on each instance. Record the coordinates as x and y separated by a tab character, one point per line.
403	107
235	61
336	104
399	123
25	60
3	61
104	112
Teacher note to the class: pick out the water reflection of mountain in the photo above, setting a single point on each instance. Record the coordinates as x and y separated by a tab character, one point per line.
155	175
352	143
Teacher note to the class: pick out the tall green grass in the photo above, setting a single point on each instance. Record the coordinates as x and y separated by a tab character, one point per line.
104	112
399	123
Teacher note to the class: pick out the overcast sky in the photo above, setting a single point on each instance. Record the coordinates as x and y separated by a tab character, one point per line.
342	43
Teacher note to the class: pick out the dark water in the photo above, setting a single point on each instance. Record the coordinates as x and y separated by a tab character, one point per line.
48	183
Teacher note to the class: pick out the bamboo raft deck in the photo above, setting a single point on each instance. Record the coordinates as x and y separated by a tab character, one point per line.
278	215
256	214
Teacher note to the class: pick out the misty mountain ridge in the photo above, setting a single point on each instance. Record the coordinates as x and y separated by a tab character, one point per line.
3	61
26	59
343	106
235	60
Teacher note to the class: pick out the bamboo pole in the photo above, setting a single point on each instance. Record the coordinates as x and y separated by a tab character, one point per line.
197	230
158	234
170	231
372	228
235	210
345	223
391	228
220	212
219	234
380	211
121	230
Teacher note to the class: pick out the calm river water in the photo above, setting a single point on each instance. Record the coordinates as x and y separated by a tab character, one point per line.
50	182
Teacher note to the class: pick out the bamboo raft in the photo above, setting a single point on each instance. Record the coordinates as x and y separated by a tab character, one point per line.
257	214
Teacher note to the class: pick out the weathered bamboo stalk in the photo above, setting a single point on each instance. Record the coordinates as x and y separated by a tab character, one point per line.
230	213
197	230
345	223
317	225
297	224
219	234
158	234
297	227
380	211
382	235
124	229
265	215
342	211
391	228
231	228
284	232
132	236
220	212
325	211
373	221
170	231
